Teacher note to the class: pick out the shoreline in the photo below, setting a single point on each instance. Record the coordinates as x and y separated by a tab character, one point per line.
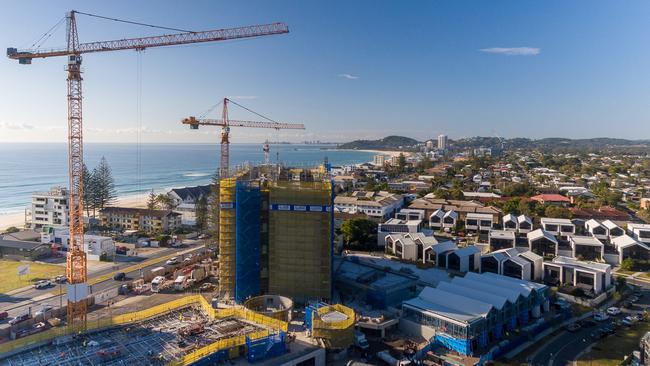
390	153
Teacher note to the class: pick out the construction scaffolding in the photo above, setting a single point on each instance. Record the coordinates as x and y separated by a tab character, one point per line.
247	246
227	237
333	324
300	238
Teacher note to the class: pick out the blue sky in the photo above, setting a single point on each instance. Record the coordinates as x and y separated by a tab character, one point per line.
347	70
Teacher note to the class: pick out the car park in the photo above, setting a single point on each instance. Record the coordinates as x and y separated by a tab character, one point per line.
613	311
42	284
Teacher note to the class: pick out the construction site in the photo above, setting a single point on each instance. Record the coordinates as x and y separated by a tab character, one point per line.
274	243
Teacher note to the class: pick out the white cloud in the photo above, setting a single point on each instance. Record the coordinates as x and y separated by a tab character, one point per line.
513	51
15	126
348	76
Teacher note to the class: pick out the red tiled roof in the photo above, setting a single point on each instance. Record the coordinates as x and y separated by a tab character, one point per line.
550	197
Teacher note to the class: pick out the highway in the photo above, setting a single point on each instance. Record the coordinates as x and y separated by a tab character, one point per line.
32	299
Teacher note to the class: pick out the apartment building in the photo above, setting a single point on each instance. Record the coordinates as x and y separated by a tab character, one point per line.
140	219
49	208
379	205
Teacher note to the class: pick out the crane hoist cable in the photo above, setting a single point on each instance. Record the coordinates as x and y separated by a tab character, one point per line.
135	23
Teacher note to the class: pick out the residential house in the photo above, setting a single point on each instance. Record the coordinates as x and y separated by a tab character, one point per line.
558	227
524	224
613	230
501	239
551	199
478	222
586	248
597	229
24	250
543	243
629	247
184	200
513	262
378	205
593	277
640	232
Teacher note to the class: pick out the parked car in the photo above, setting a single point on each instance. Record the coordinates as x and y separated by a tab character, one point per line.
44	309
60	279
573	327
173	260
4	315
39	326
42	284
600	316
633	299
638	294
613	311
119	276
19	318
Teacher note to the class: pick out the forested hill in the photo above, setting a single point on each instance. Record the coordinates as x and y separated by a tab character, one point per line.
387	143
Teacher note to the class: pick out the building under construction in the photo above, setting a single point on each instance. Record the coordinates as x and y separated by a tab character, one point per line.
275	234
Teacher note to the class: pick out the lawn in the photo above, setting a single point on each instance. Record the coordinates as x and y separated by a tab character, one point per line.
612	349
37	271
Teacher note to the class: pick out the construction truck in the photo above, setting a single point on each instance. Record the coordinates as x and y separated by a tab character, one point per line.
182	282
159	283
199	273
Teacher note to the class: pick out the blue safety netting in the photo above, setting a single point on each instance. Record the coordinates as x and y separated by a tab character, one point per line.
268	347
247	240
462	346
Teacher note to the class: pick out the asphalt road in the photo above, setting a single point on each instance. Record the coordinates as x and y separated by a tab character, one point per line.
567	346
33	299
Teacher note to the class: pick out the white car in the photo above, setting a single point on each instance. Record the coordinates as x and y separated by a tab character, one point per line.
613	310
601	317
44	309
171	261
42	284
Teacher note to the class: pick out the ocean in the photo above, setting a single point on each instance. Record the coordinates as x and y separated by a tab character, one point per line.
35	167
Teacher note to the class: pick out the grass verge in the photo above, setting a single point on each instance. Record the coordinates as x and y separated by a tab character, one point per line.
612	349
37	271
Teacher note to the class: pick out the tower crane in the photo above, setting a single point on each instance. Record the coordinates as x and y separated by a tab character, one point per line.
226	123
76	269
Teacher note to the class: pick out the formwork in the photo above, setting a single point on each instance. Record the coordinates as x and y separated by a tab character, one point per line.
300	239
247	247
227	237
334	324
181	332
273	306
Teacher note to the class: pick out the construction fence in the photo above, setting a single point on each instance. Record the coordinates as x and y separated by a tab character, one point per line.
273	327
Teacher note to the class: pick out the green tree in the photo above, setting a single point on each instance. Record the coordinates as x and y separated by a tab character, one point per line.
441	193
644	215
519	189
151	201
104	191
359	233
89	190
628	264
201	213
557	212
165	202
401	162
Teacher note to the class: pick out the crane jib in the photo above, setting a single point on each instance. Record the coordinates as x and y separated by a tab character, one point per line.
155	41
